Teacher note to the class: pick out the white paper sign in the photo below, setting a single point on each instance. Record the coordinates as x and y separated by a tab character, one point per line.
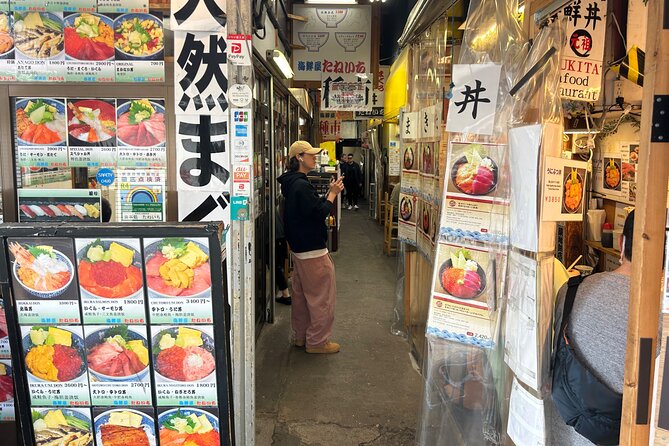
582	56
346	92
564	186
527	421
337	40
200	73
429	123
409	130
472	108
394	167
378	96
198	15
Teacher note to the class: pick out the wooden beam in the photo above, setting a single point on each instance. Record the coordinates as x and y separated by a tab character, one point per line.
650	219
298	18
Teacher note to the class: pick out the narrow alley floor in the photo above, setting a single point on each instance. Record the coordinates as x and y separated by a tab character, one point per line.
367	394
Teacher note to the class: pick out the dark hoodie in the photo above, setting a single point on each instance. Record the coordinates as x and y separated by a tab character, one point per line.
304	213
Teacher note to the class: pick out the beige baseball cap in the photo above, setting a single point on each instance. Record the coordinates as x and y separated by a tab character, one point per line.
299	147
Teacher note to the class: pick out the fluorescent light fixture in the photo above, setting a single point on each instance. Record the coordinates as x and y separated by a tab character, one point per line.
279	60
331	2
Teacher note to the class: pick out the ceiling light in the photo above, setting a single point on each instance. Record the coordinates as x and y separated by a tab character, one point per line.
279	60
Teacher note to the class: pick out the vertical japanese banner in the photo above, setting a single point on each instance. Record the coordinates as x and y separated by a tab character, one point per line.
583	54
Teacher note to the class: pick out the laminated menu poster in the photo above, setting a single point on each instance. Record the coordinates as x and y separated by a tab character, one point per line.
89	47
41	132
410	176
91	132
428	166
141	133
471	207
59	205
111	282
178	280
39	45
55	362
44	280
7	61
53	426
189	426
115	427
118	365
463	295
6	391
615	172
141	195
407	214
184	365
140	47
5	351
426	233
123	6
564	186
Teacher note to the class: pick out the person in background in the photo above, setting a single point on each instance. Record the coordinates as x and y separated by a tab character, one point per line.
352	182
280	255
314	286
597	330
395	200
343	165
106	213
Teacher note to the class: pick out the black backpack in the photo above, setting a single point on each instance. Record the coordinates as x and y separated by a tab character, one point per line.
583	401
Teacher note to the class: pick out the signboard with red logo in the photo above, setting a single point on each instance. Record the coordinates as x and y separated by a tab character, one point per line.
336	41
583	54
329	125
239	49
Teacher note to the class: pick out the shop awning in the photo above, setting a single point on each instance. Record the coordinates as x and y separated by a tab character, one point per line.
423	14
396	87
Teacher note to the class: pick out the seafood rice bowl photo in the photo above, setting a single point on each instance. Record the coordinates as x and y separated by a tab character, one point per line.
110	270
42	271
55	427
54	354
125	427
188	427
183	354
177	267
117	354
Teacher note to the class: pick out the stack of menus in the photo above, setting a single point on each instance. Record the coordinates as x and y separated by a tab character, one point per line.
122	334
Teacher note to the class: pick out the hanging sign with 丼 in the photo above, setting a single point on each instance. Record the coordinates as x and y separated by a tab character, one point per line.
474	103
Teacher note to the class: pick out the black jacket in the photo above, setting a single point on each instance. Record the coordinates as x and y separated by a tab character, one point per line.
353	175
304	213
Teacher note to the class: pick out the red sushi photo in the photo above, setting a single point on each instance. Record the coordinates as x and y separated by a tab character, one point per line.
461	276
183	354
177	267
89	37
110	270
141	123
474	173
6	382
117	354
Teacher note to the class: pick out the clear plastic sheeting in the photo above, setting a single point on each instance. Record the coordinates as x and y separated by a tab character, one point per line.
398	327
461	405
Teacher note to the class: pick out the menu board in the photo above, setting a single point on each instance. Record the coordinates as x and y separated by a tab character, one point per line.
54	43
55	361
183	365
98	377
94	133
6	390
118	365
615	171
43	278
178	280
111	281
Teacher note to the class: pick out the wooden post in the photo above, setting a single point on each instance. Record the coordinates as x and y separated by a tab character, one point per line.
650	218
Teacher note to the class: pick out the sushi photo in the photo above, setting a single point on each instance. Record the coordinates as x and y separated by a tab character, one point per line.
188	427
117	353
62	427
50	211
41	270
91	122
38	35
6	382
183	354
40	122
141	123
177	267
474	173
573	191
110	269
53	354
461	276
89	37
125	427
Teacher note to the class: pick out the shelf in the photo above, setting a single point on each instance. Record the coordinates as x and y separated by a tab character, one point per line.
299	18
598	246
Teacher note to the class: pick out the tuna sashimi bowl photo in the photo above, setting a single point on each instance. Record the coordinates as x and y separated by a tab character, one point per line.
177	267
183	354
117	354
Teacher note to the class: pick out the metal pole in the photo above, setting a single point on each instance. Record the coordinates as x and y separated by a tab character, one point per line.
243	271
272	201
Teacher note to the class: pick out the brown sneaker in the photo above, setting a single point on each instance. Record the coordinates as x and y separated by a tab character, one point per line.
328	347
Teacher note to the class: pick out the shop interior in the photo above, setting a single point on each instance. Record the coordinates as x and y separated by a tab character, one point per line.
506	141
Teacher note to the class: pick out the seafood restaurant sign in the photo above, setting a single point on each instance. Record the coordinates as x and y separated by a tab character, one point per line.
336	41
583	54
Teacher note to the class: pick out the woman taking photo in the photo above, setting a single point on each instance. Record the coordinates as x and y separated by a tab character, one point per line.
314	287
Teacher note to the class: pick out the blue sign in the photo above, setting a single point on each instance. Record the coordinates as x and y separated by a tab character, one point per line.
240	208
105	177
241	130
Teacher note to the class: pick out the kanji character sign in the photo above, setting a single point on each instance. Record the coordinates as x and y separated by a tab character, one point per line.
473	106
201	73
200	15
